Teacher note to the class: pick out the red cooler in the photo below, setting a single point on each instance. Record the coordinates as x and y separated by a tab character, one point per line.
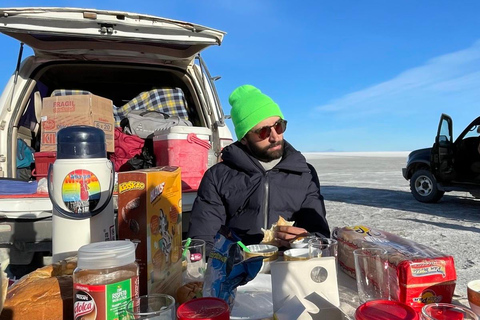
186	147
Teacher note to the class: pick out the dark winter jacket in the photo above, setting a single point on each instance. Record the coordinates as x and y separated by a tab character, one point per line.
240	194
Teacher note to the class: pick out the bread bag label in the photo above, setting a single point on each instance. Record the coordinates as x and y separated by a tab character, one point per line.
103	302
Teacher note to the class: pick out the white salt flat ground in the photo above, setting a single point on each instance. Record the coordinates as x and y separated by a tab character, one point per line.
369	189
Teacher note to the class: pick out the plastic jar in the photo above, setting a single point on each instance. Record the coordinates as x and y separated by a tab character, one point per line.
105	280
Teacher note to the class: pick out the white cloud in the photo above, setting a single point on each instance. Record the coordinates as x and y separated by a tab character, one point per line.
439	79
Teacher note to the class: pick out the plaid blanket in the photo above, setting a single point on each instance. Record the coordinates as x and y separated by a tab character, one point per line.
68	92
167	100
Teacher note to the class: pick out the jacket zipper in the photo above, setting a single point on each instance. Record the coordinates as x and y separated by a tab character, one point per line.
265	201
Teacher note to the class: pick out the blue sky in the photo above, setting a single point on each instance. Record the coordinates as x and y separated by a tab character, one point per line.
348	75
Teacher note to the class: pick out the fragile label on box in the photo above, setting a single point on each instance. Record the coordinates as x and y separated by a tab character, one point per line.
63	111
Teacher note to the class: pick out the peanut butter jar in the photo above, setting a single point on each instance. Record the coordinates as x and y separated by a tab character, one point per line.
105	280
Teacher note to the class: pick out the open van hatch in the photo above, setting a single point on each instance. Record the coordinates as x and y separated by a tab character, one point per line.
90	33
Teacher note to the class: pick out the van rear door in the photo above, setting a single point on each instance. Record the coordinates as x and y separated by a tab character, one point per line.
89	33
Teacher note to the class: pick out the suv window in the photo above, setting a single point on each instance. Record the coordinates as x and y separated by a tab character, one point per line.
444	134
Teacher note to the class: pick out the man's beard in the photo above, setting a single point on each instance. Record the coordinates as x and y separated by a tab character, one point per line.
265	154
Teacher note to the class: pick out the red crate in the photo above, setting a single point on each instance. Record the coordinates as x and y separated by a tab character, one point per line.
42	162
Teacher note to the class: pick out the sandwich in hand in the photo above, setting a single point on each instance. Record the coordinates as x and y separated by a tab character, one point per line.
269	234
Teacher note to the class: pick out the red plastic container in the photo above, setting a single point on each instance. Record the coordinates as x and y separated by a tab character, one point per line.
207	308
42	162
385	310
185	147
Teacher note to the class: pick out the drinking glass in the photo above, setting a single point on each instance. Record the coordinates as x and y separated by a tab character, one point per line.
473	295
447	311
322	247
152	307
193	260
371	272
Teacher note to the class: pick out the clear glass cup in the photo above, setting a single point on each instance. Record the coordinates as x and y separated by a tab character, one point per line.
371	272
447	311
322	247
194	262
152	307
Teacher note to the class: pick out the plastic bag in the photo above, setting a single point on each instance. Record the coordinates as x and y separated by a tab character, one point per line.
24	154
226	268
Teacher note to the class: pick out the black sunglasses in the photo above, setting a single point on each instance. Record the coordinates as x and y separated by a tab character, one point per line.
264	132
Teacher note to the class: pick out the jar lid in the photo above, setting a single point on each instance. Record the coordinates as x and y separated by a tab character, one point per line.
207	308
106	254
385	310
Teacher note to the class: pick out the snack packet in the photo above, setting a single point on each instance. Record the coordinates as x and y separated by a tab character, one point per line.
227	269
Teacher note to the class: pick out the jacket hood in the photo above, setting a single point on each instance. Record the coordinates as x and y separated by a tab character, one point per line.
238	156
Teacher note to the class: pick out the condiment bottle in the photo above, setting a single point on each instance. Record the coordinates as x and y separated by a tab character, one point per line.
105	280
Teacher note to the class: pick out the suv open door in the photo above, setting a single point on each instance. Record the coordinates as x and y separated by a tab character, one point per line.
442	151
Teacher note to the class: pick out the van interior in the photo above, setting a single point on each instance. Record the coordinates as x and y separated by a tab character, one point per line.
115	81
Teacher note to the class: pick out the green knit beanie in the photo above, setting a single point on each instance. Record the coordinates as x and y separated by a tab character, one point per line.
249	107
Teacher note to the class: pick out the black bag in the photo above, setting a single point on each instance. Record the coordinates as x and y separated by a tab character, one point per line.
144	160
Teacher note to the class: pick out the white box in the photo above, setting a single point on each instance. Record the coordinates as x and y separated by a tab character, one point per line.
306	290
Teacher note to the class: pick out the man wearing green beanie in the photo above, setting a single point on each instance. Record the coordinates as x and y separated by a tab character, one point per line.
260	179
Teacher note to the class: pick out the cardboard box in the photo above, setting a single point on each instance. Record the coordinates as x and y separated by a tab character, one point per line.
63	111
306	290
149	213
417	274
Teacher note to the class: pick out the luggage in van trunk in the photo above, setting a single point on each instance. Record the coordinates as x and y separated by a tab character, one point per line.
186	147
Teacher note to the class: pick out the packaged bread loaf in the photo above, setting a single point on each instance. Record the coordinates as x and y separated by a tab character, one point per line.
46	293
418	274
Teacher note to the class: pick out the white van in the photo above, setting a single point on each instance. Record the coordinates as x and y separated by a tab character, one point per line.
115	55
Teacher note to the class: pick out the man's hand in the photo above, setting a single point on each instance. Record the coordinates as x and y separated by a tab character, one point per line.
284	235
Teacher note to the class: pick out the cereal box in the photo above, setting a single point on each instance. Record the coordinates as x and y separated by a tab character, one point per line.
149	213
417	274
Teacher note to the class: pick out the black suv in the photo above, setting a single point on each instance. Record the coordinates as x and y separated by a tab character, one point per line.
448	165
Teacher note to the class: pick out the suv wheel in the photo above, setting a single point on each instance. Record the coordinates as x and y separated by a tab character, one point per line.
424	187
